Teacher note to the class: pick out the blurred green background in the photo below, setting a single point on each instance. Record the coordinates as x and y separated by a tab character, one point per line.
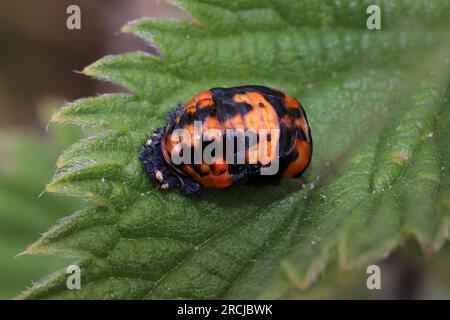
26	165
37	60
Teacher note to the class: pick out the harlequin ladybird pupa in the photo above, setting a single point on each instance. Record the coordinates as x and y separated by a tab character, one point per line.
273	125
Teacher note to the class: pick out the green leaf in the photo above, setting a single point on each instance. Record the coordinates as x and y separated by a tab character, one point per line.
378	108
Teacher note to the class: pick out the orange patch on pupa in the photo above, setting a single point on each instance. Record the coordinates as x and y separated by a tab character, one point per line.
299	165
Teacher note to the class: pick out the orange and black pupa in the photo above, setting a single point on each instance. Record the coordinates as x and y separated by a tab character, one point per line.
241	108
